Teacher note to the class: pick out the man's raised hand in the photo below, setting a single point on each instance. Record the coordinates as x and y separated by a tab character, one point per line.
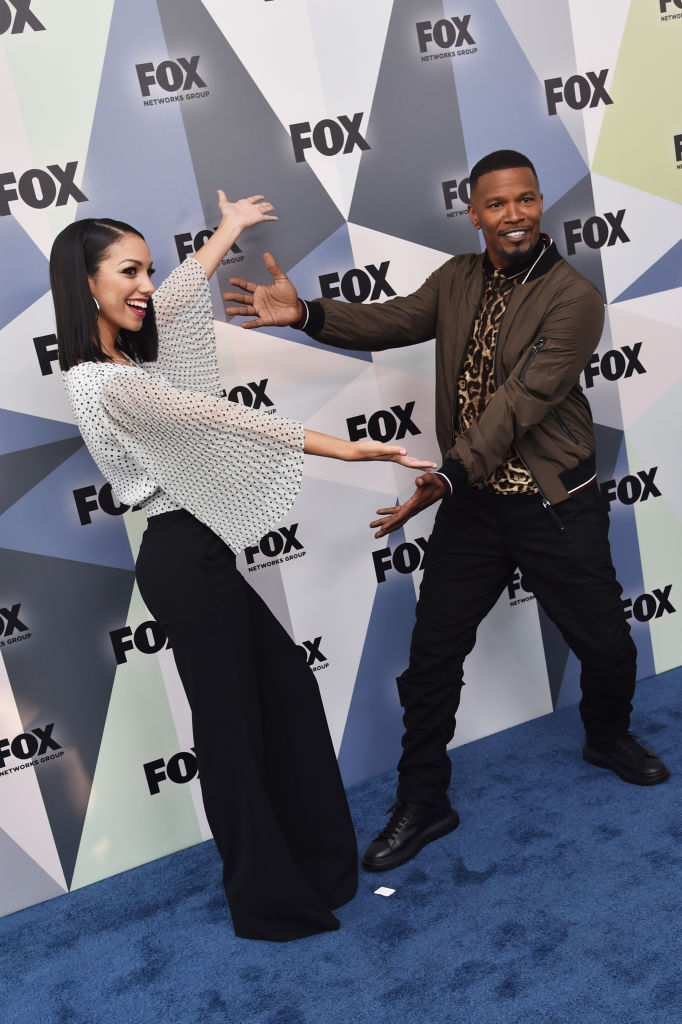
271	305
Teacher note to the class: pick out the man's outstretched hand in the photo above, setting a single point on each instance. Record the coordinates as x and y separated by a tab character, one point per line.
430	488
272	305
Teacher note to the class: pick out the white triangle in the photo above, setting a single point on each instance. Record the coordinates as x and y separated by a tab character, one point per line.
661	307
411	263
304	80
597	31
24	817
301	378
625	262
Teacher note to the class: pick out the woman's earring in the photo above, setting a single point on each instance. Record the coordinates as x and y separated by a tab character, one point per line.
96	304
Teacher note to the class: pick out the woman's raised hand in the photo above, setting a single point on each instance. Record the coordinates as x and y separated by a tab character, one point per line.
236	217
272	305
245	212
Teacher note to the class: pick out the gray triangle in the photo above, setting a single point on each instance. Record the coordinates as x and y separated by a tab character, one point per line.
62	672
609	444
236	109
23	881
408	153
576	205
20	471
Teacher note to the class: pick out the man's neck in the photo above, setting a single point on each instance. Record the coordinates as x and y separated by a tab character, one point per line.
515	269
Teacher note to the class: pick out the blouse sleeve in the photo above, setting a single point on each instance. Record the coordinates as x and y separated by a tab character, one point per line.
184	319
236	469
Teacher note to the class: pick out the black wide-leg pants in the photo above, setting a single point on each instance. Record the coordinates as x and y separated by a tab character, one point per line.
269	777
478	540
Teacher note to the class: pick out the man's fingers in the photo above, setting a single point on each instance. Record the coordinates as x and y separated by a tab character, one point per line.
271	266
412	462
239	282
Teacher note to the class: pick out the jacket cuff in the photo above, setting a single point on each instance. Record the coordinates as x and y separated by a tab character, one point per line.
453	471
315	319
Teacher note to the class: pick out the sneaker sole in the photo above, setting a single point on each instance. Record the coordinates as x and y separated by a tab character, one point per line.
603	761
435	831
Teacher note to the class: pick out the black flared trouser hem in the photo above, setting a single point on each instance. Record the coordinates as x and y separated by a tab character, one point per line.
269	778
478	540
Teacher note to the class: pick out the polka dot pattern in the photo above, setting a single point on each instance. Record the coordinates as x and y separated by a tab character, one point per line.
164	438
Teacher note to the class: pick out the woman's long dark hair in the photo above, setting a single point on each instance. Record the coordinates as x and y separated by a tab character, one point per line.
76	254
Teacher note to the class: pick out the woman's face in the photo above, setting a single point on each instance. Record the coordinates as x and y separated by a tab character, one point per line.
123	286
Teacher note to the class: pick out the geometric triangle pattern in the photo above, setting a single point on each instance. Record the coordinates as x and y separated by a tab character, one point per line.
20	471
360	123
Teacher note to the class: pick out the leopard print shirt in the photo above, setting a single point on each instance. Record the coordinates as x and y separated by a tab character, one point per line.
476	383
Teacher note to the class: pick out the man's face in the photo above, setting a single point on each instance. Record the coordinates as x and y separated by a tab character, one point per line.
507	206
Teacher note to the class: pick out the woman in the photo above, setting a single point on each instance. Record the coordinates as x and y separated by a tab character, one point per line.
212	476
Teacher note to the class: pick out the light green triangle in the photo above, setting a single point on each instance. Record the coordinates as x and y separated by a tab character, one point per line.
636	140
56	75
125	825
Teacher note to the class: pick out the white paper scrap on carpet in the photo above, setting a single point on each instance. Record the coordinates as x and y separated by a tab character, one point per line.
383	890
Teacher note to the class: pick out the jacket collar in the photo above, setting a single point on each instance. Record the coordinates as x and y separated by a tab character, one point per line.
543	257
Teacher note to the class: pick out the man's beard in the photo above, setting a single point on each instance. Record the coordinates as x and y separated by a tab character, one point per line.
519	254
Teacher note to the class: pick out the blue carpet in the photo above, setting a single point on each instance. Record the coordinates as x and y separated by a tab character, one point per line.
557	901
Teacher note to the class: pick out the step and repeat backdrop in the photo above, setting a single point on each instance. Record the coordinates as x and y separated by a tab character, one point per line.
360	122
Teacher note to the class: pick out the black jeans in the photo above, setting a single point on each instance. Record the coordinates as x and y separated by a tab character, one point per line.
478	539
269	777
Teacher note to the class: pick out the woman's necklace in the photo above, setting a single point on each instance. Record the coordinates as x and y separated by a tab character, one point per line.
119	357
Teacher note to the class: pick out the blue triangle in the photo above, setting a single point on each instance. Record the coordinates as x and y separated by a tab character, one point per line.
155	135
665	273
17	250
45	521
19	431
502	75
371	739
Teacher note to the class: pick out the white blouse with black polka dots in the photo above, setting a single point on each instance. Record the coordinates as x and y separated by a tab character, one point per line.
164	437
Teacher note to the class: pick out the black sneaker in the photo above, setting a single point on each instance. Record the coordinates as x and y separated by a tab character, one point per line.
628	758
410	827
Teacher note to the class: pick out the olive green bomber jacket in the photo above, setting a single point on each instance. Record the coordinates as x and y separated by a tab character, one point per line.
551	327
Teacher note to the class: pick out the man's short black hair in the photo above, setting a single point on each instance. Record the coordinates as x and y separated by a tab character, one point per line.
499	160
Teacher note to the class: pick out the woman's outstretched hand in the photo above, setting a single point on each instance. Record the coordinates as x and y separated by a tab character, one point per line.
272	305
375	451
245	212
430	488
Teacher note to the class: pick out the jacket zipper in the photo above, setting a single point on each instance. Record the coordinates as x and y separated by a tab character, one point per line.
534	349
565	429
546	503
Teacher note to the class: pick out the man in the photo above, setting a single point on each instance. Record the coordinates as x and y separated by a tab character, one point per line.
514	328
